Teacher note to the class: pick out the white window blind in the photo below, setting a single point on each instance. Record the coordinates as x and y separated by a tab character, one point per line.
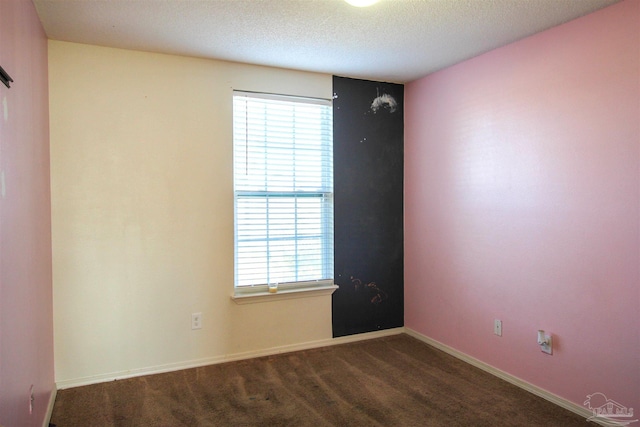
283	190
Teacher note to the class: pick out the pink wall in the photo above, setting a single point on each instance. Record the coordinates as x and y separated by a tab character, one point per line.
523	204
26	330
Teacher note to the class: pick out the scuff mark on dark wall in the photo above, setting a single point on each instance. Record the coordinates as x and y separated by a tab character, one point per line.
368	215
370	290
384	102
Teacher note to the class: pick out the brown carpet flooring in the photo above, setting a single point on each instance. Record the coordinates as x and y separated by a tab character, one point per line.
391	381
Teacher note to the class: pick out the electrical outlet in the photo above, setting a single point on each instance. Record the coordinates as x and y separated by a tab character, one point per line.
497	327
196	320
545	342
548	346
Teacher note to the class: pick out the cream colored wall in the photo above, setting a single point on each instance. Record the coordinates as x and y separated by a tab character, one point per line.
142	214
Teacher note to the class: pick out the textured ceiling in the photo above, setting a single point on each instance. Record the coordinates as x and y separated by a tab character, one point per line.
394	40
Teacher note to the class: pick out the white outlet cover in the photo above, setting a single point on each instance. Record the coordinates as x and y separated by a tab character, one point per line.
497	327
196	321
547	348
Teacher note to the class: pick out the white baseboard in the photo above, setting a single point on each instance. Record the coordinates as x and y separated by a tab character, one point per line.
52	401
553	398
95	379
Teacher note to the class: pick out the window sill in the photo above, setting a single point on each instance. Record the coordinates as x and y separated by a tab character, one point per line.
283	294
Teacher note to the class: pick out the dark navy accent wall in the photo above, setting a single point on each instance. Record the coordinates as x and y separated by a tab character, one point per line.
368	133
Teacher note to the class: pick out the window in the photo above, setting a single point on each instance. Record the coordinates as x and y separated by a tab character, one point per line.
283	192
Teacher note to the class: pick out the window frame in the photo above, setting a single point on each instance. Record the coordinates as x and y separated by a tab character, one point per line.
295	289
